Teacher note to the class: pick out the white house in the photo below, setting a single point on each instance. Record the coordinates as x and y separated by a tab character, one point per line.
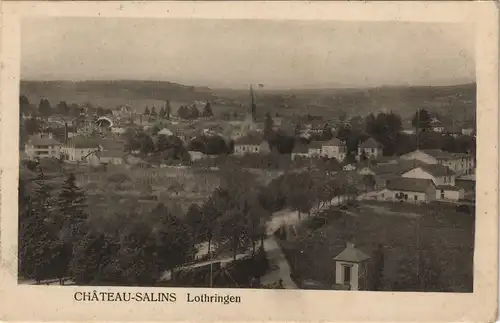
410	190
334	148
439	174
251	144
351	268
42	146
370	149
314	149
78	148
460	164
450	193
300	151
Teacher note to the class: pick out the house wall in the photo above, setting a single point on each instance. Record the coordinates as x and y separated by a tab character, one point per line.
453	195
422	174
34	151
371	153
413	197
76	154
298	155
339	273
314	152
333	152
245	149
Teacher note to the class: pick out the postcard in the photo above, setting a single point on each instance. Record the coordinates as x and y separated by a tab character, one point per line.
249	161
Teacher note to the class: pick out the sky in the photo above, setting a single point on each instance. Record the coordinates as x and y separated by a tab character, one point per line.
236	53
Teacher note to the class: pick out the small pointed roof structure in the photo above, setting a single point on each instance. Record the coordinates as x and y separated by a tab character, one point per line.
352	254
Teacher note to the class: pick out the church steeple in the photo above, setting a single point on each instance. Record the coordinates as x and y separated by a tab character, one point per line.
253	107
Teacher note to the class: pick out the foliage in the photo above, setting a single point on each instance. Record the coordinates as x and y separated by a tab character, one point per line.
422	120
207	110
44	107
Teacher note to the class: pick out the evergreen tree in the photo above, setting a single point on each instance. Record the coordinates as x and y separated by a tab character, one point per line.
62	108
153	111
207	110
38	246
194	112
327	133
146	111
424	120
71	204
162	113
44	107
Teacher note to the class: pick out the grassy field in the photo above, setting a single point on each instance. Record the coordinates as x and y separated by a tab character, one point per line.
440	239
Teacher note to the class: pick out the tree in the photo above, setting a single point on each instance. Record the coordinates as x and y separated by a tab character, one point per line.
146	111
62	108
327	133
194	112
184	112
31	126
153	111
424	120
38	240
44	107
70	221
207	110
162	113
268	126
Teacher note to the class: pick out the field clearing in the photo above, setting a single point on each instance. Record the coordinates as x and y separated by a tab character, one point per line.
441	241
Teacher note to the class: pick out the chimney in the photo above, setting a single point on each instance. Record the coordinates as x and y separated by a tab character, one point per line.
65	132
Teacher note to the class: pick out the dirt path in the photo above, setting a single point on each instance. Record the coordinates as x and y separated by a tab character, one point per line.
280	268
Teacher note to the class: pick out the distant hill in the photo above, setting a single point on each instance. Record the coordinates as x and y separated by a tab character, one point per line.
110	94
457	102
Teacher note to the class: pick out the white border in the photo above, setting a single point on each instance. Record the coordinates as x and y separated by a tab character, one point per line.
39	303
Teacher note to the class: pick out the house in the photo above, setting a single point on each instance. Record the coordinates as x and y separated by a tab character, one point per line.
468	131
251	144
196	155
450	193
334	148
412	190
42	146
438	127
460	164
314	149
114	157
349	167
453	131
165	132
300	151
78	148
351	268
370	149
439	174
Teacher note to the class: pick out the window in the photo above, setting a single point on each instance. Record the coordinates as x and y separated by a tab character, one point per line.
445	179
415	197
347	274
382	195
406	196
442	194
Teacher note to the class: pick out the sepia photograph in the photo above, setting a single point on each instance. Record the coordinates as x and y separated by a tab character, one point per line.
247	154
186	157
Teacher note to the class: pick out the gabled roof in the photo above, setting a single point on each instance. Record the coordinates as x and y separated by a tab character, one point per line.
352	254
449	188
114	153
438	153
300	149
250	139
82	142
335	142
409	184
398	167
437	170
43	141
370	143
315	145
